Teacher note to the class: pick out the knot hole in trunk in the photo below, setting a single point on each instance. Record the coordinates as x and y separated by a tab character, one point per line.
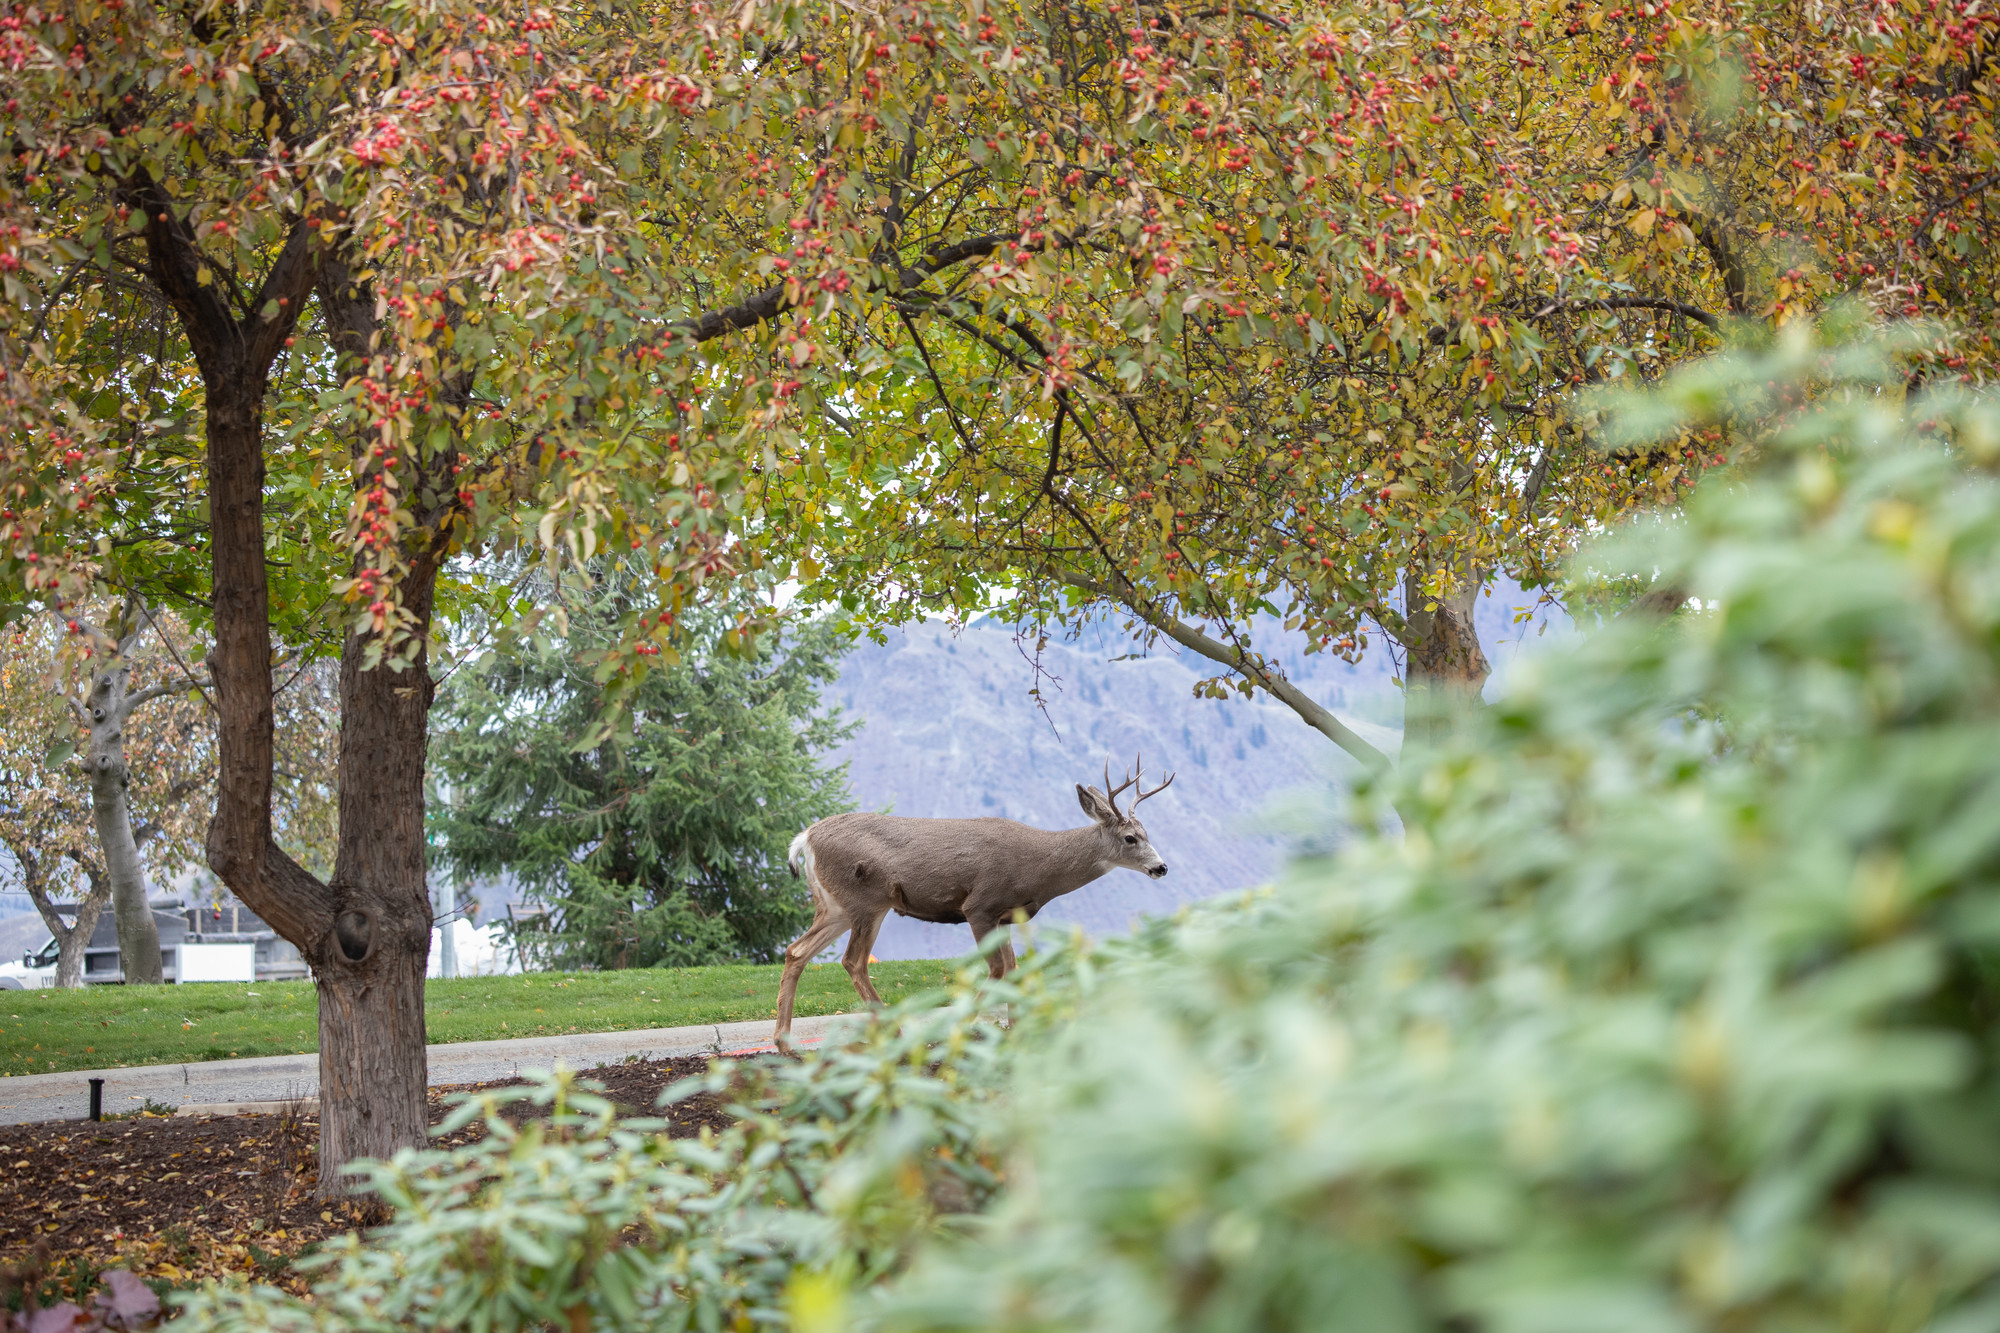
355	932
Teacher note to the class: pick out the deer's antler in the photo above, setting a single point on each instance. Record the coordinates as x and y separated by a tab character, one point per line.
1143	793
1111	792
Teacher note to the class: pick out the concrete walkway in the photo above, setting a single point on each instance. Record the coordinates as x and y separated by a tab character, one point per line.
37	1097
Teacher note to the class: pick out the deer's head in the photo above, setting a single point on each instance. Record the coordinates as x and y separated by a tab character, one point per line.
1124	837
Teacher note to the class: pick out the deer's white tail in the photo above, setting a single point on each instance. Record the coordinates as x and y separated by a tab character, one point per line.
800	860
804	865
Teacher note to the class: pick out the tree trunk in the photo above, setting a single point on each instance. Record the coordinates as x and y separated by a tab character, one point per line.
371	985
72	939
365	935
69	953
1445	668
110	780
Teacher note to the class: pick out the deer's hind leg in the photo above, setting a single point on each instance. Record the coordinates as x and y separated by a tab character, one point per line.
828	921
860	943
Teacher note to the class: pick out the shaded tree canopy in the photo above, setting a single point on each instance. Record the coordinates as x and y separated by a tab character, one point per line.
664	843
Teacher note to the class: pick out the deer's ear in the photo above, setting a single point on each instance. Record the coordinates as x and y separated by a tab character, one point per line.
1092	803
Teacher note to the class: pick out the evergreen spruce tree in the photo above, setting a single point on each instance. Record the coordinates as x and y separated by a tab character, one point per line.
662	844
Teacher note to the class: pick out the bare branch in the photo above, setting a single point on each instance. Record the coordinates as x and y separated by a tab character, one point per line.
163	690
1247	664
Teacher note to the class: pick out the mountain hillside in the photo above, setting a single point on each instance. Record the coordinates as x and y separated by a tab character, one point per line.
949	728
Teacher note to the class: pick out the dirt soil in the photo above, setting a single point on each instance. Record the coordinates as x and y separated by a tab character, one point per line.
178	1199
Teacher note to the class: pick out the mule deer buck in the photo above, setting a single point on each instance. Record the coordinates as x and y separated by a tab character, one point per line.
861	867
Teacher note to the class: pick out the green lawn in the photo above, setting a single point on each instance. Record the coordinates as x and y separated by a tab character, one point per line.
99	1027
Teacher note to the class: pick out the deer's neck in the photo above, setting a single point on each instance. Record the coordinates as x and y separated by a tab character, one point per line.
1075	857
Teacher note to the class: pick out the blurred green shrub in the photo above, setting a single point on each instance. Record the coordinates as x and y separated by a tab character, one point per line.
1676	1012
1673	1011
564	1217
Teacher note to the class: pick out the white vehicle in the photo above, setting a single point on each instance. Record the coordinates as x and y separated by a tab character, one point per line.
476	951
17	975
25	969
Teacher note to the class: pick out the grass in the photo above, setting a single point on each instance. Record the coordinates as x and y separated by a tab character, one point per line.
110	1027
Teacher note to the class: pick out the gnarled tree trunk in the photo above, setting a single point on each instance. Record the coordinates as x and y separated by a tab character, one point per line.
371	983
1444	668
109	709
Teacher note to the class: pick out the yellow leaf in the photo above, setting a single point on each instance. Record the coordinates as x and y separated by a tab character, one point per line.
1642	222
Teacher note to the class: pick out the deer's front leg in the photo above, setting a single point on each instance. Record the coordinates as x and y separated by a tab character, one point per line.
1002	958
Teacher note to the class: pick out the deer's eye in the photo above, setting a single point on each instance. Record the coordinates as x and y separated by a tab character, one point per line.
1129	838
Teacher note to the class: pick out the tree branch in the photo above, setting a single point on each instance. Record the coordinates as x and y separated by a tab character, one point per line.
223	346
130	621
1728	264
177	269
1661	600
161	691
1187	636
1693	312
187	672
771	302
289	280
36	885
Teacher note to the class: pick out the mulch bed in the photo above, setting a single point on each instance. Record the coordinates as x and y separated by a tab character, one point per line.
177	1199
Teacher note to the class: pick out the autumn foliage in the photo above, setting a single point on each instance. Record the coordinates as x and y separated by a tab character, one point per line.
1186	313
1197	311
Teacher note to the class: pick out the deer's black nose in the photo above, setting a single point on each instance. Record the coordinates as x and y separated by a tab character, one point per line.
1159	871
